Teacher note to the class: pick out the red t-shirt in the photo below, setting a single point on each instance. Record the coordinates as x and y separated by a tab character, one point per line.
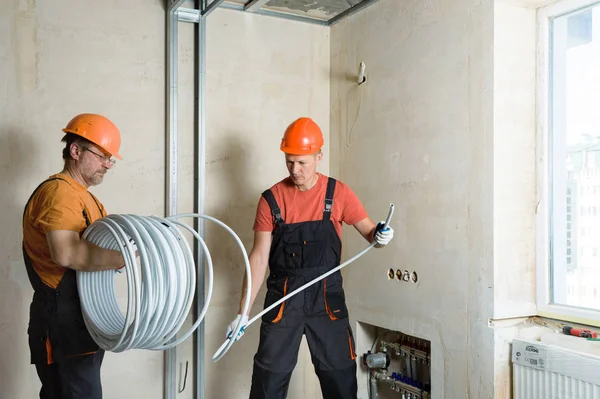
305	206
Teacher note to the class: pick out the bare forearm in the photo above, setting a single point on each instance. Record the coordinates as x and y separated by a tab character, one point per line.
69	250
366	228
90	257
258	268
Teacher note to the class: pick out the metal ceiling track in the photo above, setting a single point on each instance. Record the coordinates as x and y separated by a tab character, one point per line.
173	385
260	7
175	14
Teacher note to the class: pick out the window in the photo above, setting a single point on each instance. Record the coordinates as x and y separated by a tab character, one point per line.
569	104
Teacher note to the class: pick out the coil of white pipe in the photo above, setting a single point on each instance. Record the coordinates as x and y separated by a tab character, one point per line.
159	295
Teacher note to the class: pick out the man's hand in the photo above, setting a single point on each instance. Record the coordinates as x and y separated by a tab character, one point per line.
234	323
383	235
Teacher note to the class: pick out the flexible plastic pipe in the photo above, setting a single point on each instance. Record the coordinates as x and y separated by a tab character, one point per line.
228	342
160	291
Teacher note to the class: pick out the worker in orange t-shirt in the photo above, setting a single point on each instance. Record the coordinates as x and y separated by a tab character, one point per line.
66	357
297	234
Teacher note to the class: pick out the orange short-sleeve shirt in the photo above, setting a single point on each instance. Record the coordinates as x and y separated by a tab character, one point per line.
304	206
57	205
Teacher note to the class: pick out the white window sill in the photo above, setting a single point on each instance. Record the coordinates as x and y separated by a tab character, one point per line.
568	315
552	336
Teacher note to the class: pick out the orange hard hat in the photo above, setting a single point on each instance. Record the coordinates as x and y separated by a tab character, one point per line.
97	129
302	137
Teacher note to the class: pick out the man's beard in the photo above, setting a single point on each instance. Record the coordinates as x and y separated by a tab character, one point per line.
97	178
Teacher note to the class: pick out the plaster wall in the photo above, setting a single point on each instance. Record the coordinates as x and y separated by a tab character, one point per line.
514	160
514	179
56	60
444	127
418	133
262	73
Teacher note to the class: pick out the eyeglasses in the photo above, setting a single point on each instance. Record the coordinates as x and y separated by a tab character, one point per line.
103	158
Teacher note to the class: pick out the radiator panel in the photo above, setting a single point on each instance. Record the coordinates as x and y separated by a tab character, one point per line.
548	372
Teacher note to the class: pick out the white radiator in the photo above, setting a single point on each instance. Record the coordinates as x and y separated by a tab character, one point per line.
543	371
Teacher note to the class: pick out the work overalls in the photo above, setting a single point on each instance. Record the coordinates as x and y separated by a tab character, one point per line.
299	253
55	314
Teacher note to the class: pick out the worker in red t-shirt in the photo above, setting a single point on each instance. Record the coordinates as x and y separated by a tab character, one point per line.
297	235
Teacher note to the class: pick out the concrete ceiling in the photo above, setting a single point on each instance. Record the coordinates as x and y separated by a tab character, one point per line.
319	10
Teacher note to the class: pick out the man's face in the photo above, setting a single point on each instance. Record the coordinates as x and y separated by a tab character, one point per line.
302	168
93	163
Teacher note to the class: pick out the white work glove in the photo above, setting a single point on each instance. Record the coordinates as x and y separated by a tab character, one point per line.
383	235
234	323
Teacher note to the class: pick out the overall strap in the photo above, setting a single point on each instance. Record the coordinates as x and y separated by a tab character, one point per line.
97	204
329	198
85	214
34	278
268	195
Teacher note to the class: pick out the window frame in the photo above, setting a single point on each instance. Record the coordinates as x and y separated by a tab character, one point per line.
544	91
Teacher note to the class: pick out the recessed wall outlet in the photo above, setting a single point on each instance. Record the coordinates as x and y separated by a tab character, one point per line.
399	274
406	275
415	277
403	275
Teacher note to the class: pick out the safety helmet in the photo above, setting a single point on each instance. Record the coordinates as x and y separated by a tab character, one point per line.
302	137
97	129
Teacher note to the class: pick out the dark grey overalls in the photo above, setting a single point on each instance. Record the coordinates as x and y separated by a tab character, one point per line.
55	314
299	253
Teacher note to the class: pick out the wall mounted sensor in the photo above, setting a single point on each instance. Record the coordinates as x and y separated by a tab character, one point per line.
361	73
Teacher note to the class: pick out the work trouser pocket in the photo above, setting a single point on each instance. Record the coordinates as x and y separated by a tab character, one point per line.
37	331
276	291
335	300
351	344
69	329
37	344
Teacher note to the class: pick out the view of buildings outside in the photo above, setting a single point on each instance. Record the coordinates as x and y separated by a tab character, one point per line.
575	132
